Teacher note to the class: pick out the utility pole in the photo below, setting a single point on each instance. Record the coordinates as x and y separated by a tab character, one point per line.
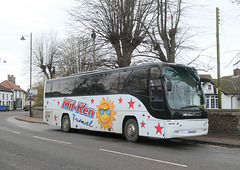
218	61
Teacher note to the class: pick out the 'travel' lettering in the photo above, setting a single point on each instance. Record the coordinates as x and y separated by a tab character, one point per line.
86	123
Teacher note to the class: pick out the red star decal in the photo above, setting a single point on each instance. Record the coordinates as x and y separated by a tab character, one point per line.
58	102
159	128
143	124
47	102
148	117
92	101
139	105
131	104
120	100
55	117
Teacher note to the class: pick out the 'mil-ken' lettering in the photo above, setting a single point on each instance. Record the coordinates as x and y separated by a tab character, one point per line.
80	107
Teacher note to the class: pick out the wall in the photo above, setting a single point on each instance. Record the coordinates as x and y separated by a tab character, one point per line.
224	121
37	112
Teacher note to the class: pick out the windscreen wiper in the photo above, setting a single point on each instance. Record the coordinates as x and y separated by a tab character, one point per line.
190	106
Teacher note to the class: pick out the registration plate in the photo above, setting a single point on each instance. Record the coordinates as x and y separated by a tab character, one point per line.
192	131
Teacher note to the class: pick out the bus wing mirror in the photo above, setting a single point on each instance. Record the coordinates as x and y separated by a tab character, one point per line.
169	83
208	80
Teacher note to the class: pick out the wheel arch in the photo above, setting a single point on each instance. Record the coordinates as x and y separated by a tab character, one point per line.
64	114
125	120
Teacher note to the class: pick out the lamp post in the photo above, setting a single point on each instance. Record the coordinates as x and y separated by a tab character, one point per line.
93	35
30	96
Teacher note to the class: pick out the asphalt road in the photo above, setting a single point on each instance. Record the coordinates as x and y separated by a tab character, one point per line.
33	146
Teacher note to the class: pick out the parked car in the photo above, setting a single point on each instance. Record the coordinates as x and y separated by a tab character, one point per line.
26	107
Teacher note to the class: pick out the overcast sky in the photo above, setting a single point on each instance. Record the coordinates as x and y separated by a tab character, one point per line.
21	17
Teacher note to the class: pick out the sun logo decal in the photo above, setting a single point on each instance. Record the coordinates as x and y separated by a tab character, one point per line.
105	113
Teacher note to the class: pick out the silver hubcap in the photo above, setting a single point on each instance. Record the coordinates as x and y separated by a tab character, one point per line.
131	130
65	123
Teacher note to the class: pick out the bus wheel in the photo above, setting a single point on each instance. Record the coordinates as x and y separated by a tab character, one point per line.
131	130
66	123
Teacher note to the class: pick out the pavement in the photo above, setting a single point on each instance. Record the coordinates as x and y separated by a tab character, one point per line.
231	141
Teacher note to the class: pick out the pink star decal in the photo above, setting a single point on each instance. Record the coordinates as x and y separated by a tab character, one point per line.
159	128
131	104
143	124
55	117
120	100
139	105
47	102
148	117
92	101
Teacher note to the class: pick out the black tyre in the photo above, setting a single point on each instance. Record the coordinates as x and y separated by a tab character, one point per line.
131	131
66	126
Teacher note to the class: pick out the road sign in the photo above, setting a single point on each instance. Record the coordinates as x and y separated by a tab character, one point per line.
33	92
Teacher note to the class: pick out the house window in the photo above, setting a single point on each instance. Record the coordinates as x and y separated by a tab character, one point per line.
212	102
209	87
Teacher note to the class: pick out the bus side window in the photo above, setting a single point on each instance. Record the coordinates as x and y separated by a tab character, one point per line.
135	82
48	89
55	88
66	87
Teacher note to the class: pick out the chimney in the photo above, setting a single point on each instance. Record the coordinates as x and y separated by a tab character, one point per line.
236	72
11	78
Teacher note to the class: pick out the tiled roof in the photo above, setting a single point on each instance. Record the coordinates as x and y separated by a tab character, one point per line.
230	85
9	85
4	89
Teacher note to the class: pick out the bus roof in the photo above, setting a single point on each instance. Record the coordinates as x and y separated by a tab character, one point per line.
117	69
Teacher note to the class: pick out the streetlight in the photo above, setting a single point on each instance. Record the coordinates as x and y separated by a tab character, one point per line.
23	38
93	35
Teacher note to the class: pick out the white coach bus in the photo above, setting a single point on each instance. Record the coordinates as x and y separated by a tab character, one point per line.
159	100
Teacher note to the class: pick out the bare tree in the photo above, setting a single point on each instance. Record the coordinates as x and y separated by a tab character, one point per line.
75	55
236	1
45	54
164	30
119	22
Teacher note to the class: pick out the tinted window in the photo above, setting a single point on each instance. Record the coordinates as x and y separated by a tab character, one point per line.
80	86
135	81
66	87
55	88
48	89
156	90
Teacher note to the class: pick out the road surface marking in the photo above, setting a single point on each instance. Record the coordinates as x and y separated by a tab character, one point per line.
52	140
16	132
140	157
